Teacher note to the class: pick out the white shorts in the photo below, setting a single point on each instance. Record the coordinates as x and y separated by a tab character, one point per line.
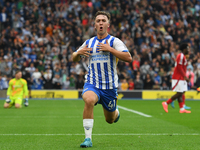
179	85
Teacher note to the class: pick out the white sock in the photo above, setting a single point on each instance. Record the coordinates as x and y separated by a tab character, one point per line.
88	125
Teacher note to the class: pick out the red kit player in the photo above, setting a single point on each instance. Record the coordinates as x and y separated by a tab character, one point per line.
179	80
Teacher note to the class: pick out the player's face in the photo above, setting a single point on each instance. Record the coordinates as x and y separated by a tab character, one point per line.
101	24
18	75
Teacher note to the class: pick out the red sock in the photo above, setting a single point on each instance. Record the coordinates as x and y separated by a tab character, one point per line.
183	98
181	104
169	101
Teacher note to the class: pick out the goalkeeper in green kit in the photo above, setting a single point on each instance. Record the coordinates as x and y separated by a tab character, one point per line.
17	90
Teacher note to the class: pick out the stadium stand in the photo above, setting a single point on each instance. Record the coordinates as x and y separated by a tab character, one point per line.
43	34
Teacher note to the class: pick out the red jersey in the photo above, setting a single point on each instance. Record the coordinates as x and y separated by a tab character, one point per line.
180	67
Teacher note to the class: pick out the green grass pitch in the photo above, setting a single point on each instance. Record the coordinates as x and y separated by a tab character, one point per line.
57	125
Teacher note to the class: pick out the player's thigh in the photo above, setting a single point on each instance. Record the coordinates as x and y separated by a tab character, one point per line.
18	101
109	99
108	114
109	102
90	94
179	85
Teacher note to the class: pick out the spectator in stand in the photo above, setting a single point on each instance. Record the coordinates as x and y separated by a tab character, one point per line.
190	75
151	72
165	54
47	80
57	82
33	56
144	68
131	85
26	55
157	78
32	68
7	72
14	69
166	78
197	75
148	82
36	74
122	75
80	82
3	83
27	76
138	83
198	63
156	85
129	73
161	72
66	84
72	80
167	64
124	85
135	64
49	29
57	71
27	48
164	86
41	67
37	83
154	33
2	64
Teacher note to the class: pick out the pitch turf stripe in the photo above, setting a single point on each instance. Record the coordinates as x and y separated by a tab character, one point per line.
150	134
134	111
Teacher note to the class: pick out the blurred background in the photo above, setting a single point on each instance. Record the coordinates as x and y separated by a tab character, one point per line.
39	36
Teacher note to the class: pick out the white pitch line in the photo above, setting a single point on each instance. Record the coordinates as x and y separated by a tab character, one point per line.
134	111
149	134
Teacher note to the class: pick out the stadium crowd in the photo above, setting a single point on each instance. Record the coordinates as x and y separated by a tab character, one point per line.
39	36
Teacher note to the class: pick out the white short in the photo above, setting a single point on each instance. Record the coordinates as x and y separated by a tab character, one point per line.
179	85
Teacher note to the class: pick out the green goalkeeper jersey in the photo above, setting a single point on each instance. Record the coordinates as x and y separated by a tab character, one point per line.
17	88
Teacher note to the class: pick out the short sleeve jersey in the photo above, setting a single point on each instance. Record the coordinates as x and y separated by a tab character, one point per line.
103	65
181	64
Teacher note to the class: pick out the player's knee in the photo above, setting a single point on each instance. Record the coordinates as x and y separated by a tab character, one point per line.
90	98
17	106
89	102
6	106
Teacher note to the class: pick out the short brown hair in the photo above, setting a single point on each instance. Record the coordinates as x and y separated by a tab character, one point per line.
17	72
107	14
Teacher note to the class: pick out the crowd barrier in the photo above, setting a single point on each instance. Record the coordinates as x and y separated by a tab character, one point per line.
135	94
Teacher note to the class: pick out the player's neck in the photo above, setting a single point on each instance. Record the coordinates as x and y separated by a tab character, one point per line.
102	36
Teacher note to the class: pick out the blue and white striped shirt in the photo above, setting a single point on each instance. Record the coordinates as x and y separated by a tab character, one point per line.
102	65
